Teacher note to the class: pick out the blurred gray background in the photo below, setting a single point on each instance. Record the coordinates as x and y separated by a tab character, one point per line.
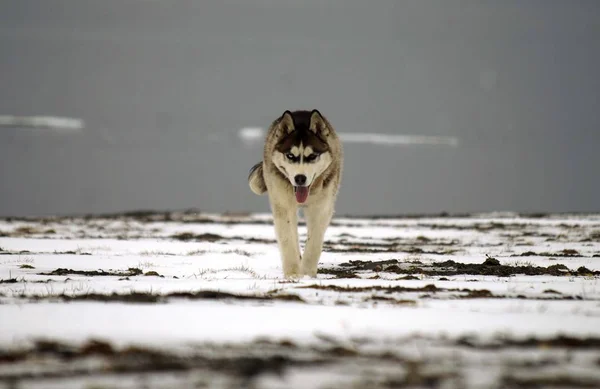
165	86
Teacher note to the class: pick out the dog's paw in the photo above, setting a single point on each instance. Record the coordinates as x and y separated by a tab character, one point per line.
309	271
292	276
292	271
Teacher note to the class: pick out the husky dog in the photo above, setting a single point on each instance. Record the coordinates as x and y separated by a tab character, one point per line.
301	167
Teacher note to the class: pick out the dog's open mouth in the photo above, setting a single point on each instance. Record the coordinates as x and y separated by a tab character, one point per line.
301	193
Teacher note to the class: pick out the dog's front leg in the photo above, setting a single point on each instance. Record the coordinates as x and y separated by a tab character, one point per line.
286	231
318	217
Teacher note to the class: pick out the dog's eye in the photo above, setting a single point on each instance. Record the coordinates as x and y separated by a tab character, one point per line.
290	156
311	157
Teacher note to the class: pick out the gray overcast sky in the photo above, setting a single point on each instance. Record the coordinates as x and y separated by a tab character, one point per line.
164	86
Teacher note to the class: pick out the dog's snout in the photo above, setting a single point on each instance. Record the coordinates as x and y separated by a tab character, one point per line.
300	179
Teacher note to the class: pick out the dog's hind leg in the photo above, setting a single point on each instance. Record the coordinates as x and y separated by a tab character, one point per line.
286	232
256	179
318	217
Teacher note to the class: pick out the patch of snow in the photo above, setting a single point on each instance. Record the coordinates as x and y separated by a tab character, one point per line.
397	140
56	124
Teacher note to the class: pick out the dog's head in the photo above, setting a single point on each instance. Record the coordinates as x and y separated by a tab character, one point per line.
302	152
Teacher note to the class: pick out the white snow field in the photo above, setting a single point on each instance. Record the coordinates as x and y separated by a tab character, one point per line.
193	300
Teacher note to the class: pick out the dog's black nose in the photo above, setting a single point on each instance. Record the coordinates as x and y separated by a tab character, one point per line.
300	179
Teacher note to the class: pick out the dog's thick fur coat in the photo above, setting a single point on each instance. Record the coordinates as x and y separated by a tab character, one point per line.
301	168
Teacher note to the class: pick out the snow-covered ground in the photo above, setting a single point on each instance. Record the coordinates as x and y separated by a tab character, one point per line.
198	300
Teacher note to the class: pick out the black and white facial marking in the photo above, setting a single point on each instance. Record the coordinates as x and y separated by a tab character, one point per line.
301	164
303	153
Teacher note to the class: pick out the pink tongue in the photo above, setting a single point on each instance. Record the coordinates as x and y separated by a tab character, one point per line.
301	193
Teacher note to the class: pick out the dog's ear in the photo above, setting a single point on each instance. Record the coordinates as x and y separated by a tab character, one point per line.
318	124
286	124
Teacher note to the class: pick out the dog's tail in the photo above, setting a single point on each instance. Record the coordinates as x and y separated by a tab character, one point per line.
256	179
